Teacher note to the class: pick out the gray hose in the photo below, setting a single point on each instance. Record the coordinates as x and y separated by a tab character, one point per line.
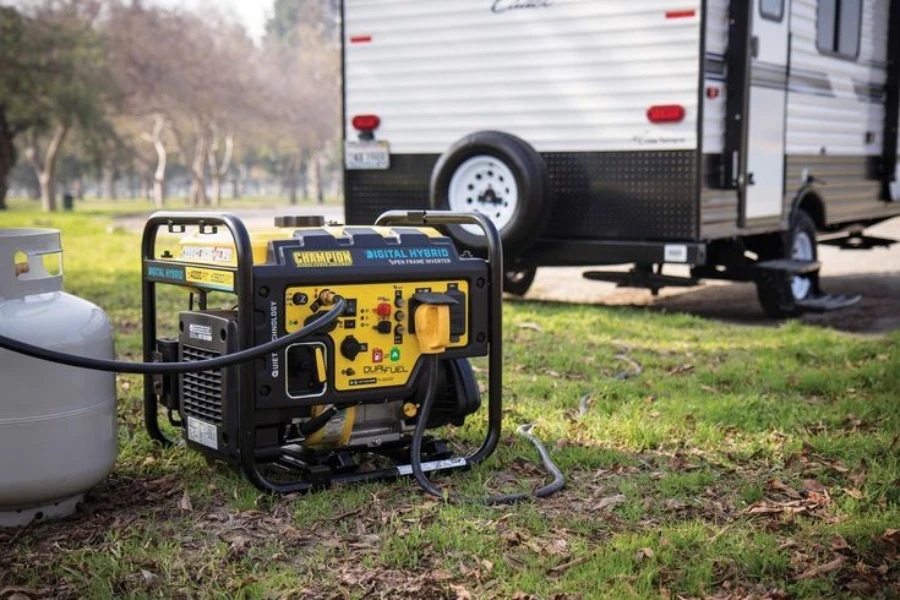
524	430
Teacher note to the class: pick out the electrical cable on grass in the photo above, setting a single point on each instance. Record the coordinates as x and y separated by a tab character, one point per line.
159	368
524	430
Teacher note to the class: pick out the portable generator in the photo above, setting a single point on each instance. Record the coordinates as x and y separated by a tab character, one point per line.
380	303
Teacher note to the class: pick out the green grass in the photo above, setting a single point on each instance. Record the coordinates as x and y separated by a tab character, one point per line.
105	206
675	477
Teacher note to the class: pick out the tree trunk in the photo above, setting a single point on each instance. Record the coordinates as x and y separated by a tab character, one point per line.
238	182
7	155
216	170
195	163
159	174
293	173
45	168
109	182
315	179
77	188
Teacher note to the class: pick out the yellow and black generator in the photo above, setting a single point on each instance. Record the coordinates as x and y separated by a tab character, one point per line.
355	330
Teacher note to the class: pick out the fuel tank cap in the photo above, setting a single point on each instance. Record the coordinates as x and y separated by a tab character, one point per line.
299	221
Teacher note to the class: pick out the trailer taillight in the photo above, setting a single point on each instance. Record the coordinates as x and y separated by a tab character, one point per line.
366	122
666	113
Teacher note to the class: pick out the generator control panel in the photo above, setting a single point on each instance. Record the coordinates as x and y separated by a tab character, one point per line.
374	341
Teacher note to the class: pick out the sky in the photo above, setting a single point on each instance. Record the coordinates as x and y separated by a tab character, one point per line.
251	13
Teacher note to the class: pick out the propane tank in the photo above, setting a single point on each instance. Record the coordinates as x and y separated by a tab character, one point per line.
57	423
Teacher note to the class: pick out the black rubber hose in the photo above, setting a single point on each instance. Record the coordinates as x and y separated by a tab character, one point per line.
162	368
416	455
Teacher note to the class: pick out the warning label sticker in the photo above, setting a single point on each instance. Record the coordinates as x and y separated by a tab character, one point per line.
323	258
202	433
220	280
200	332
207	253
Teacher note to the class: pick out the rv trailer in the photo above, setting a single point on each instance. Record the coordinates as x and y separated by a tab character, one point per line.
730	137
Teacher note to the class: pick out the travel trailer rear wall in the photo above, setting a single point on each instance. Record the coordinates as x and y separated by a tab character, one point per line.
727	136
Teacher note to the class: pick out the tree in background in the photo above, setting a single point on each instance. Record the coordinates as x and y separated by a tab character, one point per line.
294	20
303	53
53	78
125	90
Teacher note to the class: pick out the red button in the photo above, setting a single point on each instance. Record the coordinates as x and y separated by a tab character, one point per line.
383	310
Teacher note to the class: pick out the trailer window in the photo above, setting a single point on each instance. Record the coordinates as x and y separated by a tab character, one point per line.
838	27
772	10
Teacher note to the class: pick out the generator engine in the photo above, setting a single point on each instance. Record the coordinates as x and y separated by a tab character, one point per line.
305	415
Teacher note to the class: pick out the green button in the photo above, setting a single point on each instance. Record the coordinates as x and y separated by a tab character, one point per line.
395	354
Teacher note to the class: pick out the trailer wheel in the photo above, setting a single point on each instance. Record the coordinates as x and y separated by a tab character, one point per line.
499	176
518	280
779	294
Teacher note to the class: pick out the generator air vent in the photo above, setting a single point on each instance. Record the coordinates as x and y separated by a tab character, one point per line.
201	392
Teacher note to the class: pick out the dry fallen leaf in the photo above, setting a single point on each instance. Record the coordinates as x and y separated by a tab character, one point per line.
238	546
461	592
610	502
642	554
531	326
854	493
568	565
821	569
839	543
814	486
185	502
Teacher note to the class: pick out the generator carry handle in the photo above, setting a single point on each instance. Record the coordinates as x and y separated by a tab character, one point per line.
430	218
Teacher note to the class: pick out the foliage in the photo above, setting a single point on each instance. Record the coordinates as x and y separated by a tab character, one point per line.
742	462
148	87
52	78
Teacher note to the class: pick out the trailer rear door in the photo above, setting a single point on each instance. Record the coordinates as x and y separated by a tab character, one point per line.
767	110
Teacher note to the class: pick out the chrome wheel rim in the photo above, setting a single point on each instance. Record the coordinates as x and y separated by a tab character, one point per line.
802	249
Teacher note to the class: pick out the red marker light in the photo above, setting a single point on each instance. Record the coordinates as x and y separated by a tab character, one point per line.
666	113
680	14
366	122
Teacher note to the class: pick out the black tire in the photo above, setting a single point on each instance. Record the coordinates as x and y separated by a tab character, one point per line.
518	280
530	214
775	291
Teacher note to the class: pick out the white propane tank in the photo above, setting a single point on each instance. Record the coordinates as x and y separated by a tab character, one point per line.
57	423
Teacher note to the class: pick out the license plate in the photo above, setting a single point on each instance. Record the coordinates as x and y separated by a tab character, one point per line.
367	155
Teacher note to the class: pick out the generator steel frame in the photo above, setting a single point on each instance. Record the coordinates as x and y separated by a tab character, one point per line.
245	288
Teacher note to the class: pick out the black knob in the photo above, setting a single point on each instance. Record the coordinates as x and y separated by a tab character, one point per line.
299	221
350	347
384	327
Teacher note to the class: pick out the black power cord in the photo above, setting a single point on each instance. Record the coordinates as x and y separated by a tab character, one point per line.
416	454
220	362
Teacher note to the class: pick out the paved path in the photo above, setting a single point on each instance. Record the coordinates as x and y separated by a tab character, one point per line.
874	273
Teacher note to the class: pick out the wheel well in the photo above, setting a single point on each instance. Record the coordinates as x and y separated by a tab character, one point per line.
814	207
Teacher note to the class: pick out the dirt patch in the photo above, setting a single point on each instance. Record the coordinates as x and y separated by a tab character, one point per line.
878	311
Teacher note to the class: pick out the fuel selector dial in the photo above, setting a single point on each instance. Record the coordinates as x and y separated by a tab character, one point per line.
350	347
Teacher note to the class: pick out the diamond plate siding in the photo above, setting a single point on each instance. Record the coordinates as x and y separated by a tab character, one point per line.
596	195
624	195
404	186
